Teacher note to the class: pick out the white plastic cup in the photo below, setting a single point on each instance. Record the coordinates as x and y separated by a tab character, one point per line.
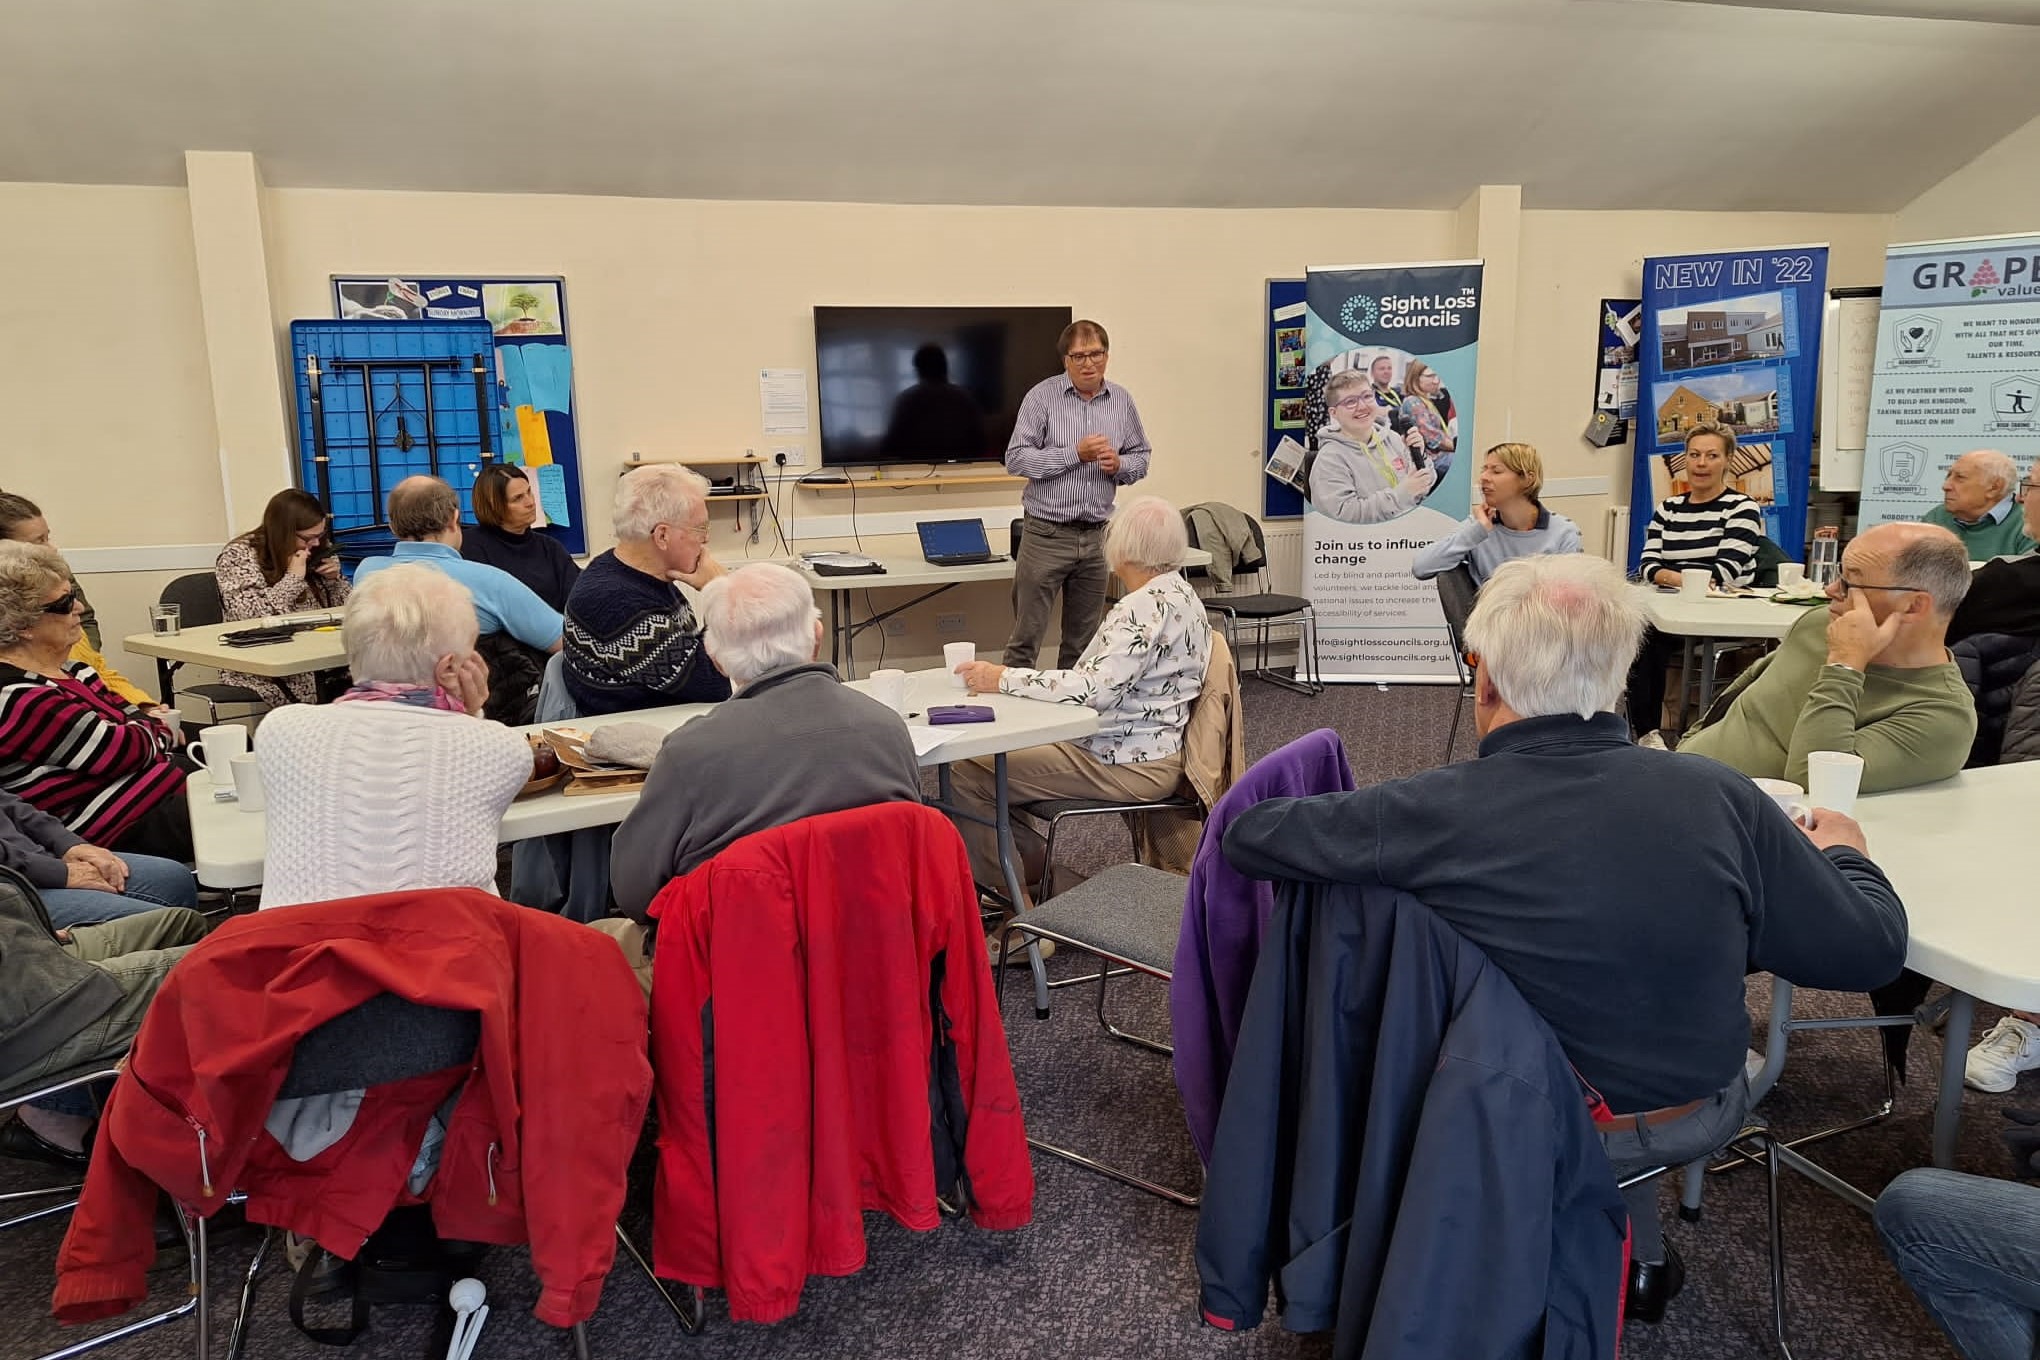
954	654
172	719
1693	581
1791	575
216	748
1832	780
1790	798
889	687
248	790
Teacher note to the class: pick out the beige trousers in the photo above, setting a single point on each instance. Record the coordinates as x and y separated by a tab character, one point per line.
1066	770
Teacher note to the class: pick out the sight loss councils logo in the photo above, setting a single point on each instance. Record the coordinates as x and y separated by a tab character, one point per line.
1360	313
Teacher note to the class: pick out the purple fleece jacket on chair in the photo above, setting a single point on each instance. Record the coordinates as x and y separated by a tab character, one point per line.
1223	917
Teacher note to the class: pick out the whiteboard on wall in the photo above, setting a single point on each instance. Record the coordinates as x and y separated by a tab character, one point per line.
1848	349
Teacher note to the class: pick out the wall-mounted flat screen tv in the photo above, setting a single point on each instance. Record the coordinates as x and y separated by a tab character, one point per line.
928	384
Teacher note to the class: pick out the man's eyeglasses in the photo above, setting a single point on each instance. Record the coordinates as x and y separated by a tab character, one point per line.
63	604
1085	357
2023	490
1847	585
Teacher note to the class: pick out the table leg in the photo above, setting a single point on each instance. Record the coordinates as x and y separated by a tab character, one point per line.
1708	657
1766	1076
1009	866
1954	1057
1685	678
166	681
849	636
836	628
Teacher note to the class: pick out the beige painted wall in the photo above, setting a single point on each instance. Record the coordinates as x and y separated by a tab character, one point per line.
1994	194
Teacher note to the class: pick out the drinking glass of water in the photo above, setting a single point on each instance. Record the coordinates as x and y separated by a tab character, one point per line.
166	620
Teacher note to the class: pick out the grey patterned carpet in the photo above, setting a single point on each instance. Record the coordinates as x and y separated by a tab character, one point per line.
1106	1271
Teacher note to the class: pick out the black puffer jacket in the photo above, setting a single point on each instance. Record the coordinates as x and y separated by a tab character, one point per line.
1992	665
2022	724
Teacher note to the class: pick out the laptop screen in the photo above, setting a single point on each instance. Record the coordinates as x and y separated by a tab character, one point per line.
952	537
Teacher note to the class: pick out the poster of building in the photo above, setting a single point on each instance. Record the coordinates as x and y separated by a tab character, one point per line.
1957	367
1731	340
1390	356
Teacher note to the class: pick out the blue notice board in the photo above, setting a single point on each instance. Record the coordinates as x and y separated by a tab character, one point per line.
535	420
1284	402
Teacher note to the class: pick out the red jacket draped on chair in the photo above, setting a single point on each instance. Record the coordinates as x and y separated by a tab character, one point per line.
535	1150
827	1041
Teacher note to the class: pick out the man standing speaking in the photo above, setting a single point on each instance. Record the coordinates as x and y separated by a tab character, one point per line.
1078	438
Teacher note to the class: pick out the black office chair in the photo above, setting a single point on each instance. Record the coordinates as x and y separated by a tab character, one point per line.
1456	592
1013	539
197	597
1265	611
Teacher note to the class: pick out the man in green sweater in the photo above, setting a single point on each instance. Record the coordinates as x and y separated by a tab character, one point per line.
1871	675
1977	506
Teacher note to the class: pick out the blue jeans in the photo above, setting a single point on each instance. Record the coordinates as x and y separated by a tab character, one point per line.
1970	1248
151	883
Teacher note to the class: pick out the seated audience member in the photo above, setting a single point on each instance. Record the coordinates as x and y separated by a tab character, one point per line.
399	783
286	566
1708	527
1507	521
75	1000
1362	474
503	537
22	521
1978	506
793	742
1142	672
1638	971
68	744
2004	593
1969	1247
632	638
80	883
1870	674
518	629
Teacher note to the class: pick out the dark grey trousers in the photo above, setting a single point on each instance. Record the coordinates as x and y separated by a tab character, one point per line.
1638	1147
1057	559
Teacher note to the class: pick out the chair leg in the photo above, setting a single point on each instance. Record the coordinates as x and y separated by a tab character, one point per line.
690	1321
1776	1219
579	1332
239	1336
1105	971
1114	1173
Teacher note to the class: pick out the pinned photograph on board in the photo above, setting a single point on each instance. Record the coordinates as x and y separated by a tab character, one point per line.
1365	471
1746	402
379	300
1289	372
1732	331
1289	464
1289	340
1289	413
522	308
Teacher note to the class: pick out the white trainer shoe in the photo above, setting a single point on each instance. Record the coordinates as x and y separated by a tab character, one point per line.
2011	1047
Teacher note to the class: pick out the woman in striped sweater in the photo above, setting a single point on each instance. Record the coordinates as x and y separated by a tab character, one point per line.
68	744
1711	527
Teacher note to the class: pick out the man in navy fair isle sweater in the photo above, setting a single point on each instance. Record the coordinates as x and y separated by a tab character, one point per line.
632	641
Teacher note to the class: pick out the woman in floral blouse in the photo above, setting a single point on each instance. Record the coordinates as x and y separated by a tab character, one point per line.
1142	672
269	570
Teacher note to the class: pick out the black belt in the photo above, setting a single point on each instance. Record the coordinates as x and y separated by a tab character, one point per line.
1069	523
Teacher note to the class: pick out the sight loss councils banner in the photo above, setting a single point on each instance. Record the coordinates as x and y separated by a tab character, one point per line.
1386	467
1731	339
1958	367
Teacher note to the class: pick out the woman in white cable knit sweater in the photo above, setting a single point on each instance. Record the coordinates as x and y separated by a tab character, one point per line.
400	783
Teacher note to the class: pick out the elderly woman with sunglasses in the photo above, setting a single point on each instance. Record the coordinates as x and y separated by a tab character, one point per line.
68	744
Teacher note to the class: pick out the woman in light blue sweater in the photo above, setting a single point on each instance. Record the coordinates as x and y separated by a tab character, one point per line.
1507	521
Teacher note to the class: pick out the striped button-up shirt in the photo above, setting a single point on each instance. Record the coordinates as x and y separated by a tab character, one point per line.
1053	418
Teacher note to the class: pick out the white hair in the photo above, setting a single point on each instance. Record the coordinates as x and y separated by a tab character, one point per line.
647	497
1999	467
402	619
1149	534
1556	634
758	619
28	571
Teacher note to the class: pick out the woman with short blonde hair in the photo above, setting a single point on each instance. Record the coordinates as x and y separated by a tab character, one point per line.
1508	520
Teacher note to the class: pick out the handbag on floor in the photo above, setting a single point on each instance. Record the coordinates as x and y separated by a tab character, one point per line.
405	1261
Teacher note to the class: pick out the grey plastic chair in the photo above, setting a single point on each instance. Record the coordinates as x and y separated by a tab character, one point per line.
1456	593
566	873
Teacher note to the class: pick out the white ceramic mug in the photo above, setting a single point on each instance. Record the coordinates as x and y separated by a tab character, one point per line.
248	790
216	748
1693	581
889	687
1832	780
954	654
1790	798
1791	575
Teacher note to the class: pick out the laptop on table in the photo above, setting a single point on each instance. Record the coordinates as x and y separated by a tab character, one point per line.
955	542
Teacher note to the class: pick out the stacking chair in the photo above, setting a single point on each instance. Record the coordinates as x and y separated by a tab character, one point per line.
567	872
1456	592
88	1075
1263	611
1128	918
197	597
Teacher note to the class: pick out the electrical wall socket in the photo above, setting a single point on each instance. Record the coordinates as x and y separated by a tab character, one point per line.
950	623
895	627
796	454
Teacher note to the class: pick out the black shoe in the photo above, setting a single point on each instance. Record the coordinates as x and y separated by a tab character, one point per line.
19	1140
1652	1286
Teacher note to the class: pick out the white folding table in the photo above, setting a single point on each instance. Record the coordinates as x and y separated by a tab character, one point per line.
314	649
1713	616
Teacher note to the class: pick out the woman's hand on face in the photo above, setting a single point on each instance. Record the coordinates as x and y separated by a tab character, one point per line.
1485	513
466	678
298	561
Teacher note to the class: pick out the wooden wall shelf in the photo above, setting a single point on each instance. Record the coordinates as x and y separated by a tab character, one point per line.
917	483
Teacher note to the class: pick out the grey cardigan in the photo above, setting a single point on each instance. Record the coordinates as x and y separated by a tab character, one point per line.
33	843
